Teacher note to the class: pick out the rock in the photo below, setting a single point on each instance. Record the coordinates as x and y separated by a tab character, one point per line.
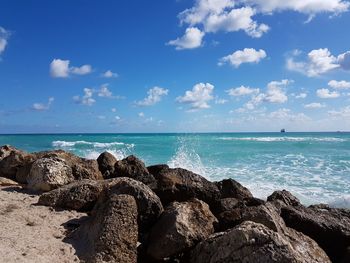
110	235
134	168
155	169
106	162
329	227
231	188
82	168
11	160
79	195
7	182
148	203
180	227
253	242
49	173
181	185
285	197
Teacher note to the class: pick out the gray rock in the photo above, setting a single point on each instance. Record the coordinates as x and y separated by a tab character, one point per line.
110	235
253	242
285	197
49	173
180	227
233	189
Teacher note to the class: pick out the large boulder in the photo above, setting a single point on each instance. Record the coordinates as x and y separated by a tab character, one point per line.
254	242
81	168
134	168
49	173
80	195
180	227
106	162
231	188
284	198
329	227
181	185
13	161
110	235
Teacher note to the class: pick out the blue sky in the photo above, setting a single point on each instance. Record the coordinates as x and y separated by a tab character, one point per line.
174	65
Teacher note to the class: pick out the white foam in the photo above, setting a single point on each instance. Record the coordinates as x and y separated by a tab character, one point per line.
66	144
283	139
93	155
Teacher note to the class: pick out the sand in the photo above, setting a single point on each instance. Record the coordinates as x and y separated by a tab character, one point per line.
32	233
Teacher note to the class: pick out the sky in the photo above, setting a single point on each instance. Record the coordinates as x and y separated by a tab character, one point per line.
74	66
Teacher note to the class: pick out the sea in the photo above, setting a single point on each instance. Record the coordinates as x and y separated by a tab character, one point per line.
315	167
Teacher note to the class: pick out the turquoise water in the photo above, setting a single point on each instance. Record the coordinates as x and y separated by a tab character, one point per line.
313	166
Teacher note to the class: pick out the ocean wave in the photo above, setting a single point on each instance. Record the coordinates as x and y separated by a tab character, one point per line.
283	139
93	155
65	144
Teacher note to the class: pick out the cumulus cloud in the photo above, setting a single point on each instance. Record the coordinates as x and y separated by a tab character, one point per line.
4	35
342	113
247	55
191	39
314	105
327	94
43	106
287	115
339	84
86	99
110	74
318	62
60	69
301	95
241	91
141	114
199	97
155	95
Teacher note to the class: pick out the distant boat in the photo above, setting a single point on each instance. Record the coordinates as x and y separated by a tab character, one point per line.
283	130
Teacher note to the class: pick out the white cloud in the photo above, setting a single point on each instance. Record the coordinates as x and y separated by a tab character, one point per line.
199	97
4	35
191	39
287	115
276	92
87	99
117	118
114	110
301	95
104	91
314	105
241	91
310	7
155	95
327	94
42	106
101	117
220	101
247	55
110	74
319	61
141	114
342	113
339	84
60	69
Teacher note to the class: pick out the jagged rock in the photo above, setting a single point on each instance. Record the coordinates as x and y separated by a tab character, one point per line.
82	168
79	195
285	197
110	235
106	162
7	182
232	188
253	242
148	203
12	160
329	227
180	227
181	185
49	173
134	168
155	169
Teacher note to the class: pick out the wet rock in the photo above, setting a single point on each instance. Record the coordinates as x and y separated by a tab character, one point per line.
181	185
79	195
232	188
254	242
180	227
110	235
134	168
155	169
285	197
329	227
106	162
49	173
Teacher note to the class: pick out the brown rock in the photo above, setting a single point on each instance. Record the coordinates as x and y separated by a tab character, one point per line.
232	188
106	162
180	227
285	197
7	182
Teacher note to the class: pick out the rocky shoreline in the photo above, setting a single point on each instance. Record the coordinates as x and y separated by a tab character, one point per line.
133	213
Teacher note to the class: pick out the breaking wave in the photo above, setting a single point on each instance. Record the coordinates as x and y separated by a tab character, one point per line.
284	139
